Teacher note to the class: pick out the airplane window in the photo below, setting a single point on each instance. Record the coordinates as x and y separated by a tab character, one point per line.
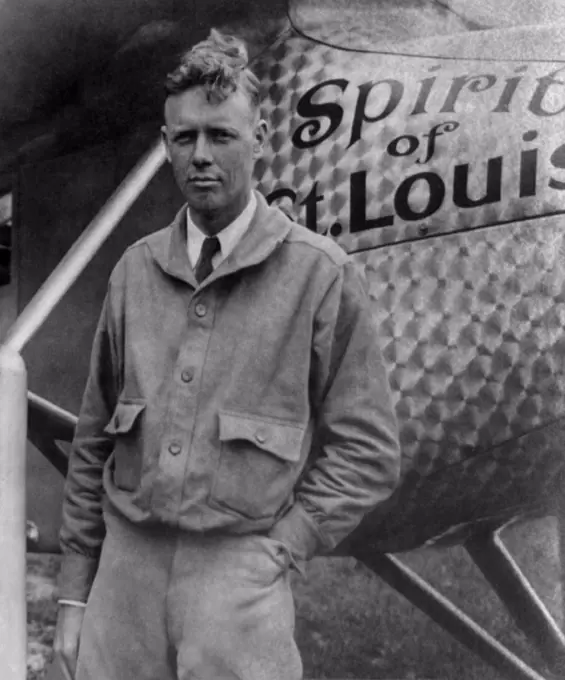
5	238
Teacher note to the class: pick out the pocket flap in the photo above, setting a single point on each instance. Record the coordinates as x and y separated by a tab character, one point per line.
281	439
124	417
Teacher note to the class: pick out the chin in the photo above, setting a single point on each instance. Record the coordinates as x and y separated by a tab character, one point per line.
203	203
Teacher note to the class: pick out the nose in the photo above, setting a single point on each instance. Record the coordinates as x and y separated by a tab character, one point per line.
201	154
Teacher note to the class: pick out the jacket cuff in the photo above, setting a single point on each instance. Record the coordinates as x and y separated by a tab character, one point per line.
299	531
72	603
76	576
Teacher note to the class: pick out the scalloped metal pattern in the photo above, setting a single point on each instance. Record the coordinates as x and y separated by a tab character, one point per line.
519	478
472	331
470	303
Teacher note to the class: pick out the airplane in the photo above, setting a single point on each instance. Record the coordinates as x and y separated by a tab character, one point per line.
425	138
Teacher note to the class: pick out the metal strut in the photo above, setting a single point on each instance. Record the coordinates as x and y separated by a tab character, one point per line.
48	424
422	595
561	530
491	556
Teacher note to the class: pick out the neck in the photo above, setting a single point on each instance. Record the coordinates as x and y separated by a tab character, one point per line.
212	222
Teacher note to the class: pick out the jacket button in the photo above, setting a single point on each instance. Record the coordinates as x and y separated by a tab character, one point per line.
261	436
187	375
200	309
174	449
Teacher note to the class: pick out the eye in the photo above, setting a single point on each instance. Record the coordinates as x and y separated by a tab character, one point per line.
220	135
185	138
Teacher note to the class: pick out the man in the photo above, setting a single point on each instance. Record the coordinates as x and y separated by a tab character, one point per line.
236	421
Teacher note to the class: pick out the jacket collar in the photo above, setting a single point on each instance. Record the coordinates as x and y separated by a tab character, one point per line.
267	230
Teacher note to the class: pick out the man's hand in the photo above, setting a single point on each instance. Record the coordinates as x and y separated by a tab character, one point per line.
67	635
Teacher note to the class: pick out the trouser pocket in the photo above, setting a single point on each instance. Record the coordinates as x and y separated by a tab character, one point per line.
280	553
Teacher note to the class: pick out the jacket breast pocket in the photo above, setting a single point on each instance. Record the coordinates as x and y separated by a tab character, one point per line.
259	464
127	453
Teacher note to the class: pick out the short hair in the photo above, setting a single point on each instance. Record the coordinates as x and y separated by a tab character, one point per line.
220	64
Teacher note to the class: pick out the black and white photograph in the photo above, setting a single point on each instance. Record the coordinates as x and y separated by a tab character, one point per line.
282	339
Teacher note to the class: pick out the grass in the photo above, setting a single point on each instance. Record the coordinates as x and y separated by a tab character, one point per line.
351	625
41	611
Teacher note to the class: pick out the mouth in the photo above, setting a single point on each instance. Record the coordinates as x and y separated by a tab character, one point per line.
203	182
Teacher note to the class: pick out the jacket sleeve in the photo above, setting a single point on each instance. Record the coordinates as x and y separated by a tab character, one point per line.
358	461
83	530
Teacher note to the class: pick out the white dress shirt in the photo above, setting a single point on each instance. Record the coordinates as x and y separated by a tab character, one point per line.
229	237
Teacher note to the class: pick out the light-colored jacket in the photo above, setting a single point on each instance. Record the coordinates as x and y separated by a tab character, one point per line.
255	402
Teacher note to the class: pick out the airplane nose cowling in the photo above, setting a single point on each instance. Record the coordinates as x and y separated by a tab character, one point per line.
443	176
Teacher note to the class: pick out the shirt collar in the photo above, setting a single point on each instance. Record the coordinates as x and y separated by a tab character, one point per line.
229	237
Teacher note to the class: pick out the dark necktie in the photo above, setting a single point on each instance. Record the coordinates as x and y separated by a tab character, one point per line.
204	267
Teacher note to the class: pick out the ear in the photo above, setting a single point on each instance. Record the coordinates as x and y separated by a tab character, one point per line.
261	131
165	139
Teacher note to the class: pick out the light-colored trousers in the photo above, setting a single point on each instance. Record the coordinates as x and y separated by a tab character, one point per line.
167	605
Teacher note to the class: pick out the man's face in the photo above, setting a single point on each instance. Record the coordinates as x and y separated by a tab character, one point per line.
212	148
